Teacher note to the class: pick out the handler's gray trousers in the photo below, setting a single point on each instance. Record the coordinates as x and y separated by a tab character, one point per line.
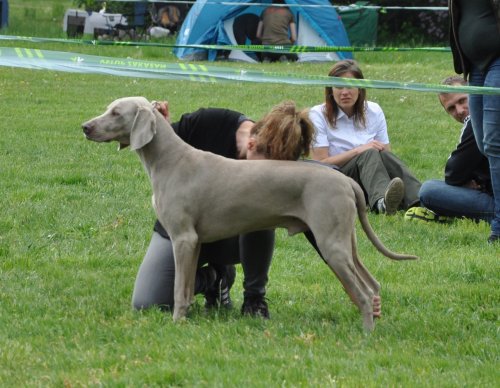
154	284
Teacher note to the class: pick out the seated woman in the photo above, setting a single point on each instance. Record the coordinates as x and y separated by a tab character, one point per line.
351	133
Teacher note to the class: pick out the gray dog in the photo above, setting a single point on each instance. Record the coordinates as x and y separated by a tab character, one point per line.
194	204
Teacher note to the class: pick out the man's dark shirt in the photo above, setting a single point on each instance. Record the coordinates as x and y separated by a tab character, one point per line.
467	163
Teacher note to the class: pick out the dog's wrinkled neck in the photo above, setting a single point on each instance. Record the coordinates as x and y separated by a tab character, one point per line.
165	149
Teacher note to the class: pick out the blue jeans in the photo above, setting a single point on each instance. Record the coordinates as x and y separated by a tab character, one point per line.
485	115
456	201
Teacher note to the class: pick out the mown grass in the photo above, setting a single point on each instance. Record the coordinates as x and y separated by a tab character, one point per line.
76	221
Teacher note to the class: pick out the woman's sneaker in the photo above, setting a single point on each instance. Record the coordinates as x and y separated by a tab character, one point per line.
219	295
394	194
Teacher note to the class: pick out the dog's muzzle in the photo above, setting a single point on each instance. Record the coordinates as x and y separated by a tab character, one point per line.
87	129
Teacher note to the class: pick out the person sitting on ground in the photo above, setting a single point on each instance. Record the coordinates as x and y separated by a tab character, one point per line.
167	22
351	133
170	17
284	134
277	27
466	190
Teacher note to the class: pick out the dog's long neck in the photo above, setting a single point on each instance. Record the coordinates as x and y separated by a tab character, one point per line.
164	150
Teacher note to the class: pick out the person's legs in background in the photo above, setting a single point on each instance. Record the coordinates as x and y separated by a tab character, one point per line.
476	108
367	169
485	115
495	182
384	194
396	168
456	201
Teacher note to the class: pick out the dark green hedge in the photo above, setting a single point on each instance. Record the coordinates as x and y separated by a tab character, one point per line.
409	27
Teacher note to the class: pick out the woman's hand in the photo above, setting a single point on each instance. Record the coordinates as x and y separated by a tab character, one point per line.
321	153
373	144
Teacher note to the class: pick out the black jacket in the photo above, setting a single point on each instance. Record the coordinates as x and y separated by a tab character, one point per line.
466	163
460	62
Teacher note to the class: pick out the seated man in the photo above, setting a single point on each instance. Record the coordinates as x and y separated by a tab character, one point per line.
466	190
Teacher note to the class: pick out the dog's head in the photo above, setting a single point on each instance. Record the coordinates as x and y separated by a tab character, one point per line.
129	121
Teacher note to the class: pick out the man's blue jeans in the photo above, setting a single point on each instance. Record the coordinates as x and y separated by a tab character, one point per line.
456	201
485	115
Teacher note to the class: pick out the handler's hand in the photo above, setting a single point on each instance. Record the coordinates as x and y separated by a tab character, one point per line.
162	107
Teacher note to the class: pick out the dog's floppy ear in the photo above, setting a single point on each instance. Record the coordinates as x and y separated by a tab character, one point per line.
143	129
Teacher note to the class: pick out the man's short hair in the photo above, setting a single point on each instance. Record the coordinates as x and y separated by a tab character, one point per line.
453	80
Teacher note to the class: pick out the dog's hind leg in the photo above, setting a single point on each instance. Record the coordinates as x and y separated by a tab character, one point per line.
363	271
367	276
186	252
339	258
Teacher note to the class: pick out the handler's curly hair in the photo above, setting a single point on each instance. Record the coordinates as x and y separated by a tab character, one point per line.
285	133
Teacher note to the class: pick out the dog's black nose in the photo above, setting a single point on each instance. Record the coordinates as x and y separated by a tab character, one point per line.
87	129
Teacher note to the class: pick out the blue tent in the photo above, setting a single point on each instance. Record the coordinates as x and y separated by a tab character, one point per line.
213	22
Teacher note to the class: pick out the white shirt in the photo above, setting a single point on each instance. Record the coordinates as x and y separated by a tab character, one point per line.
347	135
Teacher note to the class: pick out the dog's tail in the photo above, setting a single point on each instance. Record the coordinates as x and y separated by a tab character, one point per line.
370	233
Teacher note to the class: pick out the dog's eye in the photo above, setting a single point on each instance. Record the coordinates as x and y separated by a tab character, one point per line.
115	112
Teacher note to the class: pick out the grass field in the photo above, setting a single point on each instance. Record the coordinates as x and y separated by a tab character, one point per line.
76	220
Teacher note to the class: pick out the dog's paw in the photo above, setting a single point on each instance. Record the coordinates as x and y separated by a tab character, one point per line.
180	314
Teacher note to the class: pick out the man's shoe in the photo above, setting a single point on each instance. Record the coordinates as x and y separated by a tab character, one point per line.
255	306
393	196
425	215
219	294
494	239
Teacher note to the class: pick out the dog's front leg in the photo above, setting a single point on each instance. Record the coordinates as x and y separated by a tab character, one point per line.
186	252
